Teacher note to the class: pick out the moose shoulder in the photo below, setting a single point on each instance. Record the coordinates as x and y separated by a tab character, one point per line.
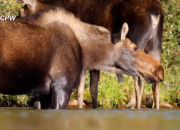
49	50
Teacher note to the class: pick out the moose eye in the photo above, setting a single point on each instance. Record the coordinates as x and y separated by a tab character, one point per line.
135	49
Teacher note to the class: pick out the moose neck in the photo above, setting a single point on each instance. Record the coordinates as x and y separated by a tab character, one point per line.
97	54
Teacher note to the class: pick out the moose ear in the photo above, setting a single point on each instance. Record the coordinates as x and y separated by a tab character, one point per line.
30	3
115	38
124	31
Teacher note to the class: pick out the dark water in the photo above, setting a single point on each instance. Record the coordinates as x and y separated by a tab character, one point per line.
89	119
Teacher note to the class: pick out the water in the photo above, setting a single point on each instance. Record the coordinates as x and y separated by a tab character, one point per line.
89	119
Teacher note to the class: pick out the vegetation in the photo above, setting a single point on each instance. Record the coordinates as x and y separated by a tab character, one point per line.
170	89
10	7
111	93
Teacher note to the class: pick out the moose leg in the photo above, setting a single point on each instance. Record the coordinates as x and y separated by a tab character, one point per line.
155	88
81	89
45	100
60	99
139	85
94	79
60	93
43	97
55	101
37	103
42	101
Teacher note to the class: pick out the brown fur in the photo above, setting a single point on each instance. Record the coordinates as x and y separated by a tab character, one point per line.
32	51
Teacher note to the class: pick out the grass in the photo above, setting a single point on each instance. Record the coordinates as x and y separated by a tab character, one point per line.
111	93
171	50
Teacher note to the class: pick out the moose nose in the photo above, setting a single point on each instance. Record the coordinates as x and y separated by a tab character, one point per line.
160	73
160	80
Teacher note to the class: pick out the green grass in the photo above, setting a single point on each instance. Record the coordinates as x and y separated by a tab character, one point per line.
171	50
111	93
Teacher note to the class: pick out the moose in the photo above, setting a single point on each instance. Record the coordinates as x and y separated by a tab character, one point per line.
145	20
57	47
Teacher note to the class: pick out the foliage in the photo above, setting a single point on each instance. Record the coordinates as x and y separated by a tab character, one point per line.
171	50
20	100
10	7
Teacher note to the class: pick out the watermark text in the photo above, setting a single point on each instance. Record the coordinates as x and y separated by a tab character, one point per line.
7	17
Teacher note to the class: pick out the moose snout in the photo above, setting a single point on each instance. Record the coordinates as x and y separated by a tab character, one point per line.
159	73
156	76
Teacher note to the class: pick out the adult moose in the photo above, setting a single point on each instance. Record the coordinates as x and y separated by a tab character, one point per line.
45	53
145	20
